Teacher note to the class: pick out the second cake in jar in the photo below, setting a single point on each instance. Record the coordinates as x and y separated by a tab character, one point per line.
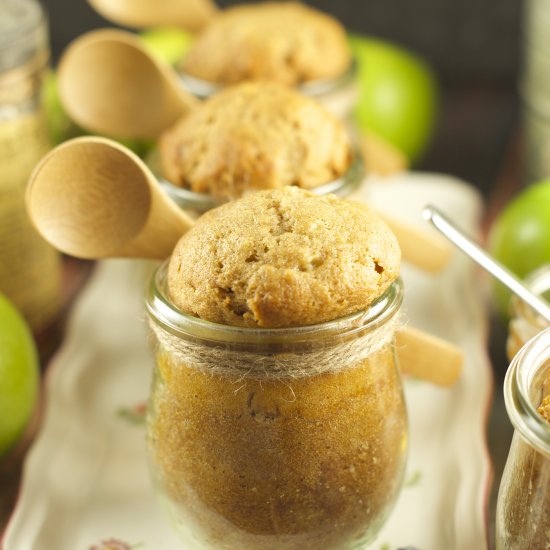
277	418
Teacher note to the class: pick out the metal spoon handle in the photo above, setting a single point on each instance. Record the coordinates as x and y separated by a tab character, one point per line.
476	253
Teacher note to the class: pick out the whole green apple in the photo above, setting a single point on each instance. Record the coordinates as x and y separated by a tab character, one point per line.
19	375
170	44
398	95
520	236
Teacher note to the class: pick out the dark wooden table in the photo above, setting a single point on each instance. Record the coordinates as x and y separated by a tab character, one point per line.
478	139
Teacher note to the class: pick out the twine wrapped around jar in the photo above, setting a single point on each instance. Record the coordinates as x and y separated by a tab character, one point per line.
312	360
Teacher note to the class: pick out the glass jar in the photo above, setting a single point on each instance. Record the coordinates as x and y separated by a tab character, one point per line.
199	203
525	323
338	95
276	438
523	505
30	269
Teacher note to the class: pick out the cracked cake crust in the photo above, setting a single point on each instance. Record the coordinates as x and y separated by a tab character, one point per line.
283	258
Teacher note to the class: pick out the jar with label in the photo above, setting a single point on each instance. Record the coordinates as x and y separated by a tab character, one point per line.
523	505
276	438
30	269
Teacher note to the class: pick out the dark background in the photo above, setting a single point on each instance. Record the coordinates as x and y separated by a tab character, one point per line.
464	40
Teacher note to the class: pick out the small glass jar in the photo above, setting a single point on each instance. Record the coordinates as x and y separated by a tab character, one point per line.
525	323
276	438
523	505
338	95
30	269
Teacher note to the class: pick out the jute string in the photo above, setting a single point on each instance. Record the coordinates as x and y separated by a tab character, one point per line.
306	361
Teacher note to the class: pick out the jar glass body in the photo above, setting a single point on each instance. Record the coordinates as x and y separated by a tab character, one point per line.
523	504
246	462
30	269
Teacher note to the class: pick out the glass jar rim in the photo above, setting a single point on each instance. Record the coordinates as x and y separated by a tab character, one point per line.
181	324
204	89
528	370
202	202
538	282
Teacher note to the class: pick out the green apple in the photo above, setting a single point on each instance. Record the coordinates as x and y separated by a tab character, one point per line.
398	95
520	236
168	43
19	375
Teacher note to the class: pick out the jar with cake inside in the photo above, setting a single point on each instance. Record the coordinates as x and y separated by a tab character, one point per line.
284	438
523	506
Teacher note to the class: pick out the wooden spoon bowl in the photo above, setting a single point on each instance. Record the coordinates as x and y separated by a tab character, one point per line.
110	84
92	198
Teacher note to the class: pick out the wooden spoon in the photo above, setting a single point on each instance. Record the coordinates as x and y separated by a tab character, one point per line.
110	84
93	198
188	14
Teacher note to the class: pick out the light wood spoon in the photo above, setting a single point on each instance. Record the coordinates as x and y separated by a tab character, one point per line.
92	198
188	14
110	84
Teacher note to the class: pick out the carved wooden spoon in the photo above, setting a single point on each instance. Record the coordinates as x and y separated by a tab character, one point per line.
110	84
92	198
188	14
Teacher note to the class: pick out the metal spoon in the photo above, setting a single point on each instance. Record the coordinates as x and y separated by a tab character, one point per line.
92	198
110	84
487	262
189	14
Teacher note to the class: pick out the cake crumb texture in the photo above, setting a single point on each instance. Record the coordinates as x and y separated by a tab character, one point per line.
283	258
255	136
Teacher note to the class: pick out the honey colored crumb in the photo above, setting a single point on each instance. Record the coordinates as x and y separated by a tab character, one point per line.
544	408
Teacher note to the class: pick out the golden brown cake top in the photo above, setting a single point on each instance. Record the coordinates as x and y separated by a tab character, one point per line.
283	258
286	42
255	136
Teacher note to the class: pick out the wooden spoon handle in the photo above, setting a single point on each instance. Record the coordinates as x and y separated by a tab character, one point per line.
420	247
428	357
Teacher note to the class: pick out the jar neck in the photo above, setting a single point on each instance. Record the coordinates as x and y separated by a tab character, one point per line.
277	353
523	391
538	282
